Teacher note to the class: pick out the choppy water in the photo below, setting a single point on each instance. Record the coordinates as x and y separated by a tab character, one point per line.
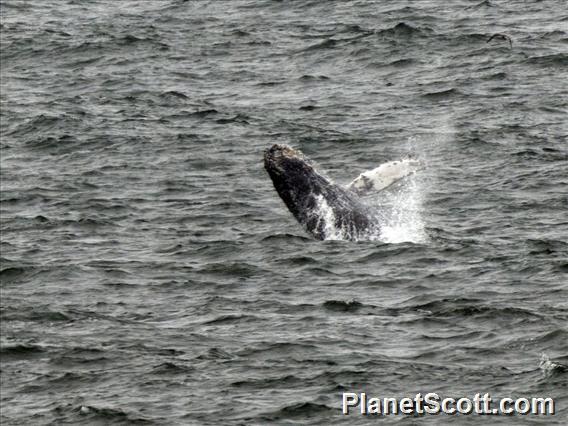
150	273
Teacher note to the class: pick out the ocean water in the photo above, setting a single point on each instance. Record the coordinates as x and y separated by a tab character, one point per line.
150	272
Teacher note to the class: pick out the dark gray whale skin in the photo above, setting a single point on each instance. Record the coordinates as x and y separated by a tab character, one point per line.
302	188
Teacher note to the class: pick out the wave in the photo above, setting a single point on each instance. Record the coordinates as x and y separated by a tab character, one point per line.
35	314
462	307
442	94
300	410
22	351
403	30
170	368
342	306
557	60
99	415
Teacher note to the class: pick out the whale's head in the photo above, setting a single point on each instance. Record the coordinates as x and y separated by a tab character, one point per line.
294	178
280	160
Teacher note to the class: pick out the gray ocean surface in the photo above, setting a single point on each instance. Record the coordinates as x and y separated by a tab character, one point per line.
151	274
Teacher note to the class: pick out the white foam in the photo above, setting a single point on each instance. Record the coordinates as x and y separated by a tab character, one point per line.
546	365
403	221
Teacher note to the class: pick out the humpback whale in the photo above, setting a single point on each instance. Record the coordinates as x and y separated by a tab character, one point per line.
327	210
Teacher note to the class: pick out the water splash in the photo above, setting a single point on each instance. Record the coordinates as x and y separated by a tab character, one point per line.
399	210
403	221
549	367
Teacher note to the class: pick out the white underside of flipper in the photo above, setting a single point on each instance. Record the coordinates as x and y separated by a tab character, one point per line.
383	176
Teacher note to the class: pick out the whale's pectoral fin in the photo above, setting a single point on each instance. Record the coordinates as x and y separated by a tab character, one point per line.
383	176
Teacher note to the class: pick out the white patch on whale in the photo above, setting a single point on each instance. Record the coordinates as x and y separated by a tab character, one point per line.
326	219
383	176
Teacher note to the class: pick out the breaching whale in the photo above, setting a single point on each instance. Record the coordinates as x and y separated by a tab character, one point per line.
327	210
